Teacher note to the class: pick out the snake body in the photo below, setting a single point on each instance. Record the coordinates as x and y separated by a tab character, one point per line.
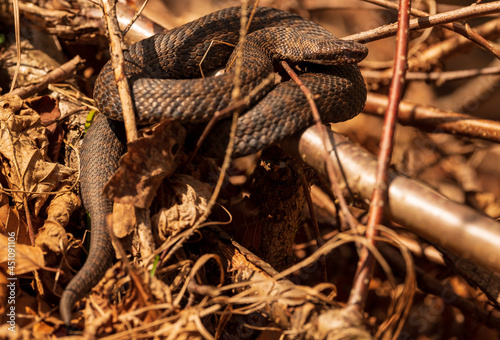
164	74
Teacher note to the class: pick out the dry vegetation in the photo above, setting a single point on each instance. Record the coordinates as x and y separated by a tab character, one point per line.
437	256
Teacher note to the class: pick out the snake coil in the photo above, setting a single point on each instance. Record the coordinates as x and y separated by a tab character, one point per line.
165	81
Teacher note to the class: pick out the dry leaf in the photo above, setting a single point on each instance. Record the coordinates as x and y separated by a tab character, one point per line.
10	221
188	199
124	219
53	235
147	162
25	258
23	148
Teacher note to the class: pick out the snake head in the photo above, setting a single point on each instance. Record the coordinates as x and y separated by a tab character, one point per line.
339	52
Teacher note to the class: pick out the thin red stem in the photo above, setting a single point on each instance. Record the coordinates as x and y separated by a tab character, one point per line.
379	198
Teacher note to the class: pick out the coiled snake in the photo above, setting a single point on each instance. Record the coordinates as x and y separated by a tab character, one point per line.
165	80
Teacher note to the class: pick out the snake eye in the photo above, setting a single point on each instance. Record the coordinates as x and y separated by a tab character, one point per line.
362	52
357	53
360	56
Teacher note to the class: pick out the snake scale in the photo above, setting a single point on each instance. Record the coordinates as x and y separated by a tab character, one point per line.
165	79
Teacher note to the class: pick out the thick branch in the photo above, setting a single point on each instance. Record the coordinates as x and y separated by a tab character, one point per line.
453	226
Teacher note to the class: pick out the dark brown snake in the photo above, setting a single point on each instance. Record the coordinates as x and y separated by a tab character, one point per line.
165	80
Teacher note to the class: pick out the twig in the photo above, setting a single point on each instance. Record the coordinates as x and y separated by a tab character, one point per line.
319	239
439	77
136	16
230	147
54	76
435	120
29	221
428	284
270	292
469	12
126	263
421	249
118	61
235	105
379	198
327	146
445	48
142	27
464	30
17	28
